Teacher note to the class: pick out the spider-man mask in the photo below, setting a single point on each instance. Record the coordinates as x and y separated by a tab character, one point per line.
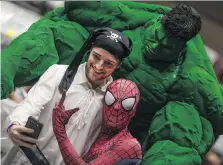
121	99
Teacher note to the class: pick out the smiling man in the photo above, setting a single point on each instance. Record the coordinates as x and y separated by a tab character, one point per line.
107	48
101	64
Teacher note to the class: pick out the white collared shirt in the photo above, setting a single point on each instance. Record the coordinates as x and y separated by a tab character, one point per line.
82	128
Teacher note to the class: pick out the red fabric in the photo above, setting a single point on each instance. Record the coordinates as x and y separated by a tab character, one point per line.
115	141
115	115
60	119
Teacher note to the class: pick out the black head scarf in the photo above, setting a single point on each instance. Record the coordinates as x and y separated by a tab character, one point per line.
118	44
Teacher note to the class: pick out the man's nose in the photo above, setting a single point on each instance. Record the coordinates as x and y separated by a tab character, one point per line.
99	65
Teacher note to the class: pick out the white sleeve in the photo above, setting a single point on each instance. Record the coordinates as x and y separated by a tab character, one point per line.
39	95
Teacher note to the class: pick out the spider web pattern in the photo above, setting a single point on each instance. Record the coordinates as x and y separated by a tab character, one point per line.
60	118
112	145
115	116
70	156
118	147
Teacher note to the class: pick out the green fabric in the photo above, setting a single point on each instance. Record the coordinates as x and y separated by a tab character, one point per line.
207	139
45	43
181	123
166	152
118	15
187	83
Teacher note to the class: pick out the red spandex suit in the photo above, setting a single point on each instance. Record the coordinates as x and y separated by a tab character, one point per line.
115	141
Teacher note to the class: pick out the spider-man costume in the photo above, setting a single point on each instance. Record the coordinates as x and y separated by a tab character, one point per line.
115	141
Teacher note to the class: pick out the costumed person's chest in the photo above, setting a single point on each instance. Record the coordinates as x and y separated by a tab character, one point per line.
103	145
195	86
153	82
98	148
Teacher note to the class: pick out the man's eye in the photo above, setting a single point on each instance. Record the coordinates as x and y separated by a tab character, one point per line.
96	56
108	64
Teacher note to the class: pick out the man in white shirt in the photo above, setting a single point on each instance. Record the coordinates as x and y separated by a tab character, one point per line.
86	91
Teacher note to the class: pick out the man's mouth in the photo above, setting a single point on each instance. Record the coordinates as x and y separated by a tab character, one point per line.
97	72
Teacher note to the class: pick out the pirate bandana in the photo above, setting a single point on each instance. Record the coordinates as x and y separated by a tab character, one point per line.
118	44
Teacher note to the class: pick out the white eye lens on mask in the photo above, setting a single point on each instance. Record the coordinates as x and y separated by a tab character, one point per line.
128	103
109	98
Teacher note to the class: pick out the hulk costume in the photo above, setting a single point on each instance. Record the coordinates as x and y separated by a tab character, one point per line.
179	91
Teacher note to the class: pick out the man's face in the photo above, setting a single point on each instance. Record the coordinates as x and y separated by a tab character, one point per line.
100	65
159	46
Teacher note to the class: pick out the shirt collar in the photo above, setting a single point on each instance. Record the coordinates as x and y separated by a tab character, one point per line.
104	86
81	78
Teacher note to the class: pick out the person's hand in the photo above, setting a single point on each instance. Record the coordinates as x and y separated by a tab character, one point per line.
18	138
15	98
62	116
59	119
213	158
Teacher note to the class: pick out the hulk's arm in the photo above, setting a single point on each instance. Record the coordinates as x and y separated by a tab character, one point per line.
171	135
170	153
46	42
212	93
114	14
198	87
207	97
26	58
